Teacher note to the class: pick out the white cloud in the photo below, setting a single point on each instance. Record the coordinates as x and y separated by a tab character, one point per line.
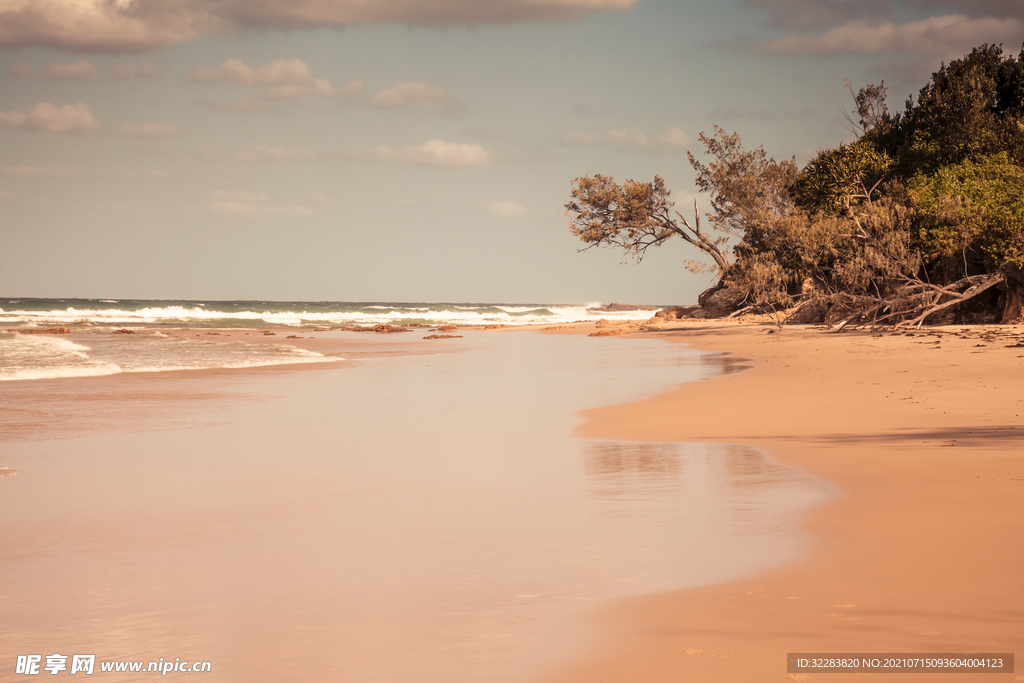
51	172
244	204
631	139
147	130
280	78
258	154
101	25
951	33
404	95
507	209
71	71
46	118
122	26
21	71
431	153
123	71
239	196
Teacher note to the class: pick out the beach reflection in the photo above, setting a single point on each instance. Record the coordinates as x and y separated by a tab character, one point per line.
414	519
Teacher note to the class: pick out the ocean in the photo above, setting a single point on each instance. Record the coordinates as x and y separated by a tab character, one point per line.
91	349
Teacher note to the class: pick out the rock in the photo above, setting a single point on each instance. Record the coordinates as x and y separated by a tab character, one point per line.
721	302
494	327
447	328
49	330
292	336
444	336
620	308
124	331
380	329
557	327
676	312
811	313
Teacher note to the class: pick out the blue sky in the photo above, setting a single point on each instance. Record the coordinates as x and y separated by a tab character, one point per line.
407	150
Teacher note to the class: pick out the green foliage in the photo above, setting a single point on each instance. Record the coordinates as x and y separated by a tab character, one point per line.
836	176
973	210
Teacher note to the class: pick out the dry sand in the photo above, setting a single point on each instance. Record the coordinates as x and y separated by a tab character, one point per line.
922	552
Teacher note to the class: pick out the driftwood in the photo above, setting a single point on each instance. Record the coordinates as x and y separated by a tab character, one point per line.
916	300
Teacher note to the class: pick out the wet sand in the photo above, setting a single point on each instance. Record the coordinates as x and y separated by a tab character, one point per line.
923	552
920	553
421	515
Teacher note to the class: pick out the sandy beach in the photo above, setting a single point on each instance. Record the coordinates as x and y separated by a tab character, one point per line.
922	434
918	433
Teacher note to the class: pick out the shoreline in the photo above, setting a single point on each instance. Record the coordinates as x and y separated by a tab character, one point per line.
919	553
912	556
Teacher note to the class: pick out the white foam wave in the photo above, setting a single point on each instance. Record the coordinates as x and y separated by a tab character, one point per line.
28	357
372	315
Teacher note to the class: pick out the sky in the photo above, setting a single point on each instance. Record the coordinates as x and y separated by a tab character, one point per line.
409	150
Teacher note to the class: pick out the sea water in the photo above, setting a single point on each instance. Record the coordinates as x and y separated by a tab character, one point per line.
252	314
414	519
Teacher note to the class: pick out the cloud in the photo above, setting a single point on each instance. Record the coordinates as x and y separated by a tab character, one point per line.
430	153
58	172
280	78
934	35
257	154
631	139
46	118
21	71
123	71
324	13
71	71
147	130
244	204
811	14
408	95
125	26
103	26
506	209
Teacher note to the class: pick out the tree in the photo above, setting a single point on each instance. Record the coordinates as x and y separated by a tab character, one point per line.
749	192
636	216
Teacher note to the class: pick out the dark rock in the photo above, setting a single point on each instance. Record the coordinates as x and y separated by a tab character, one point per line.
811	313
722	302
124	331
620	308
677	312
49	330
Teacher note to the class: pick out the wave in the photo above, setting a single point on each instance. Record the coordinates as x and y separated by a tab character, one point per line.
249	314
28	357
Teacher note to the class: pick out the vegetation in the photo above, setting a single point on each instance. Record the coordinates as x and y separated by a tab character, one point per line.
919	218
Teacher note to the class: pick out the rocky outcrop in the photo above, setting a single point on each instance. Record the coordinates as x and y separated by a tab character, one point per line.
811	313
720	302
444	336
677	313
49	330
620	308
